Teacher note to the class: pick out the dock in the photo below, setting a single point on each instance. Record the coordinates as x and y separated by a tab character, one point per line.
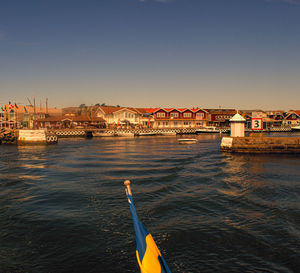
64	133
259	144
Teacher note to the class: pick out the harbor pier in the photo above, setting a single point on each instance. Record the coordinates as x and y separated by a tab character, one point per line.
256	143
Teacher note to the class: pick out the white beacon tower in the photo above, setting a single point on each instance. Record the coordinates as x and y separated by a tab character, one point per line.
237	126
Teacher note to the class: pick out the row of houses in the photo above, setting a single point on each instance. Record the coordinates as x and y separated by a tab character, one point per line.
129	117
273	118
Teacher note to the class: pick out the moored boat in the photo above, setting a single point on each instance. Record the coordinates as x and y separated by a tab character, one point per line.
208	129
168	133
296	128
147	134
125	134
187	140
103	133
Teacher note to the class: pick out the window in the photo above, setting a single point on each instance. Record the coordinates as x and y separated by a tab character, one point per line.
160	115
187	115
200	115
175	115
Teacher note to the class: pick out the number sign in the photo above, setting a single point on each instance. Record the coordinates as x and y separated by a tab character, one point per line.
256	124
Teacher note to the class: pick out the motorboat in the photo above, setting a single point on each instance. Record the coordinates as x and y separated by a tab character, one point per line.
147	134
208	129
168	133
125	134
103	133
187	140
296	128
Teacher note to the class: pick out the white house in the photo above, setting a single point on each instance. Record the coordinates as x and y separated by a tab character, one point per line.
124	116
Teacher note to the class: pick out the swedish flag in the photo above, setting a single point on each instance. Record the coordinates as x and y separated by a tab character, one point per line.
148	255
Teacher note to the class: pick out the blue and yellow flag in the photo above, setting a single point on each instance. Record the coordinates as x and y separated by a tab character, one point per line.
148	255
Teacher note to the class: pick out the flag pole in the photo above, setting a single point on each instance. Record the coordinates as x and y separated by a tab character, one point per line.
127	185
148	255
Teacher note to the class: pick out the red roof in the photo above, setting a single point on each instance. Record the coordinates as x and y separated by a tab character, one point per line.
151	110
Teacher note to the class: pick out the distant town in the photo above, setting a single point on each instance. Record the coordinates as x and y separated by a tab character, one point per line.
103	116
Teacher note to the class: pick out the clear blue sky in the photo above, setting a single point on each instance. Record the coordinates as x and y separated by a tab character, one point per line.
178	53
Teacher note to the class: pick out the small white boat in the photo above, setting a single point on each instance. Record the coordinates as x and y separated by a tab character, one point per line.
296	128
187	140
208	129
168	133
125	134
146	134
103	134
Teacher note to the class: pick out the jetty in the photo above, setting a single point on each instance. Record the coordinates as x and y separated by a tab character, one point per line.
24	137
7	136
88	132
256	143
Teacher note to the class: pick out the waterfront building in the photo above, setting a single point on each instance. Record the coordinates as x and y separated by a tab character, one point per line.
125	117
70	122
220	117
276	115
20	116
178	117
270	119
292	117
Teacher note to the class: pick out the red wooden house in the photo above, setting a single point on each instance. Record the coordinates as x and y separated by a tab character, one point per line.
179	117
292	117
220	117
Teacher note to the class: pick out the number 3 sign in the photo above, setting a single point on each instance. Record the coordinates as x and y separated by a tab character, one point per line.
256	124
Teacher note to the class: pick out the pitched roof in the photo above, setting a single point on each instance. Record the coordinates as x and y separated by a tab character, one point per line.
297	112
237	117
113	109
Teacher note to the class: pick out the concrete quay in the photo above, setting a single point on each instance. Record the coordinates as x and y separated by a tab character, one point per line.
63	133
258	144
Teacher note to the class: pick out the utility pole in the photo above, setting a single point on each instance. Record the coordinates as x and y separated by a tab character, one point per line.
34	113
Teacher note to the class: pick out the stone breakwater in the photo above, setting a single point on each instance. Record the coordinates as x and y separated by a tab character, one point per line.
261	144
7	136
23	137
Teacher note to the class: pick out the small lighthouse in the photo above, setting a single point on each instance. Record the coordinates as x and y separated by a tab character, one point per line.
237	126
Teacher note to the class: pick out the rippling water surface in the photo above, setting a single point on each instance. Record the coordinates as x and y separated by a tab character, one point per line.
63	208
